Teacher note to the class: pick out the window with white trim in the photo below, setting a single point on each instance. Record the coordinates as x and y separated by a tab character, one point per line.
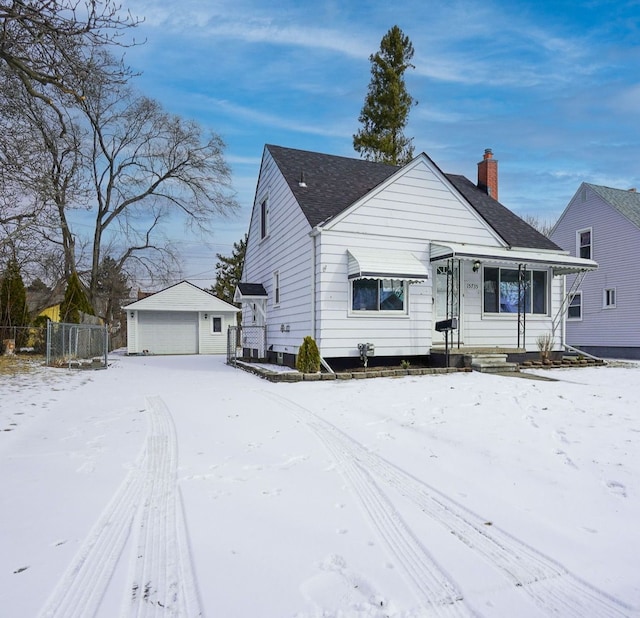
609	298
584	243
264	214
378	295
216	325
574	312
502	293
276	288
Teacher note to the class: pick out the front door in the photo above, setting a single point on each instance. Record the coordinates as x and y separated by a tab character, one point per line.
447	299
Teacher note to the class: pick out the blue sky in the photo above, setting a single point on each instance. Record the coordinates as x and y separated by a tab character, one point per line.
552	87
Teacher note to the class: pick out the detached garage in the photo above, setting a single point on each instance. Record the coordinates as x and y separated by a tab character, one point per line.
181	319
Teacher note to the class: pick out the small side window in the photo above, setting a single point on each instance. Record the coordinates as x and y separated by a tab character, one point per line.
609	298
264	213
216	324
276	288
584	243
575	307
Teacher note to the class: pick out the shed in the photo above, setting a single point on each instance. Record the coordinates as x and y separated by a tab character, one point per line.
181	319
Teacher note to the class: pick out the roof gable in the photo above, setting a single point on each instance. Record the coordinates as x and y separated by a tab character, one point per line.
326	185
183	296
626	202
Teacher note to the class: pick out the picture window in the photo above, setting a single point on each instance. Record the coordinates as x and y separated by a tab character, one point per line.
504	294
378	295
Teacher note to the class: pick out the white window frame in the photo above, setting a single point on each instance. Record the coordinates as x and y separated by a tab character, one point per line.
579	244
529	273
575	295
212	320
277	290
264	217
381	312
609	298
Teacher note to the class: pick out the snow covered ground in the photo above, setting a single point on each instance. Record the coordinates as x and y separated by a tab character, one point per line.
178	486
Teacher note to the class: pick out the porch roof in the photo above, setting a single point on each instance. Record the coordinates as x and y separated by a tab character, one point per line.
386	264
561	263
249	291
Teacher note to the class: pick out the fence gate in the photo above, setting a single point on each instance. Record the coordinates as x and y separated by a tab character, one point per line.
81	346
246	343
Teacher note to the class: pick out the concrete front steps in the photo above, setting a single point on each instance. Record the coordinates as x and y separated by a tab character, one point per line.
492	363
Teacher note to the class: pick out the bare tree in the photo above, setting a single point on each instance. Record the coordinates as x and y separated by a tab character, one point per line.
148	169
44	165
44	42
542	225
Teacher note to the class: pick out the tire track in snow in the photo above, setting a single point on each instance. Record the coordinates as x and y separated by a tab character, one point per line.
163	582
433	588
79	593
550	585
162	575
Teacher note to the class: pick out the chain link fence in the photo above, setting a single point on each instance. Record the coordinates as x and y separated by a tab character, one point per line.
79	346
23	339
246	343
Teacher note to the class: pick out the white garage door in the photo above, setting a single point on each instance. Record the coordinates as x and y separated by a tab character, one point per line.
168	332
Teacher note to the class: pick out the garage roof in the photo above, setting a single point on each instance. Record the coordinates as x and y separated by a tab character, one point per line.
183	296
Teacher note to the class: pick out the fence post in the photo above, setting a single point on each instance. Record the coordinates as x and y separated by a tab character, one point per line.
48	345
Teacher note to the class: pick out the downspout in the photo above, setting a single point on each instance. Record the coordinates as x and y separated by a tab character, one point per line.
315	233
563	323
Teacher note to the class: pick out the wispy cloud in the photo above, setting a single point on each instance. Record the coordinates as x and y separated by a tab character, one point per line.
271	120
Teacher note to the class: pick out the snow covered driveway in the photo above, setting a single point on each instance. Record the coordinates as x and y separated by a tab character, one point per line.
178	486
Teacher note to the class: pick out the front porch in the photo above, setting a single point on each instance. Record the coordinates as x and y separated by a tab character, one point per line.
497	359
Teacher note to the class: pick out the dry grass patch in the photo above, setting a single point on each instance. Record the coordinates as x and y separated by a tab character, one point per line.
14	364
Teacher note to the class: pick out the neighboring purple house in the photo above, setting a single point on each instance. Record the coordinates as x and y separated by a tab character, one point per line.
603	224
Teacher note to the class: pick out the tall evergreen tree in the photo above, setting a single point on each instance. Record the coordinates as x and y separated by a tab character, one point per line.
75	301
386	107
13	302
229	271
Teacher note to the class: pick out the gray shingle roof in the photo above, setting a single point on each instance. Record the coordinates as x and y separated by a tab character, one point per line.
625	202
510	227
252	289
334	183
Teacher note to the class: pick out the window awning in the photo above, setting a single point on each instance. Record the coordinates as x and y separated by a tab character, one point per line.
385	264
561	263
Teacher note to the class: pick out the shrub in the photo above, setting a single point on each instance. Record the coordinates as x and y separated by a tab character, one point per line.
308	360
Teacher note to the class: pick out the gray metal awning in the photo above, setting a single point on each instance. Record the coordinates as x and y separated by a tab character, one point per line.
386	264
561	263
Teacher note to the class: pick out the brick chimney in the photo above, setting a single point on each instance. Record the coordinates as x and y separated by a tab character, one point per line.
488	174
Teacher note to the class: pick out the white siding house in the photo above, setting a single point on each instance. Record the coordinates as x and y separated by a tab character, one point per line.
181	319
350	251
604	224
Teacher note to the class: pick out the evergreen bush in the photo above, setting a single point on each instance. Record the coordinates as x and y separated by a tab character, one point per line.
308	360
75	301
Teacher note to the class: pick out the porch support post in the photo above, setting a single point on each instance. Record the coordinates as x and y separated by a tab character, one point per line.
522	309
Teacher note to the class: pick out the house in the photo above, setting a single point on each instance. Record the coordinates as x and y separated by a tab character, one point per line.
357	253
603	224
181	319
